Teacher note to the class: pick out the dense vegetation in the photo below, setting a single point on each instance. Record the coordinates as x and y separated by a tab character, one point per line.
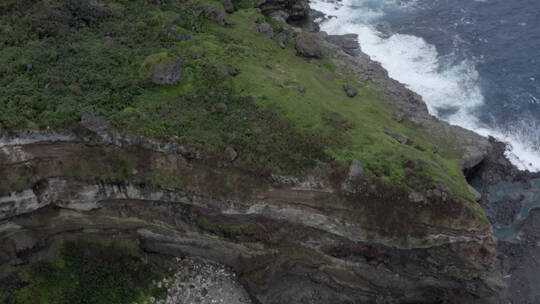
283	113
88	272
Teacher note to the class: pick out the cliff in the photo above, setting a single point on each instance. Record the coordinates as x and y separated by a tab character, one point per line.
222	131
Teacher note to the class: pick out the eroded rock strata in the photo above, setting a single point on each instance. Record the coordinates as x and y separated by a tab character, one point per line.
332	235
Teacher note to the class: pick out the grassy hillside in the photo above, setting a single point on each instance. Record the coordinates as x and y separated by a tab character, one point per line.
62	58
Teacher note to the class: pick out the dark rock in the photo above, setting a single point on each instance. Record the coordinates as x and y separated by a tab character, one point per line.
228	6
265	29
309	45
230	154
348	43
269	66
29	67
402	139
309	23
302	89
234	72
291	10
282	45
96	124
350	90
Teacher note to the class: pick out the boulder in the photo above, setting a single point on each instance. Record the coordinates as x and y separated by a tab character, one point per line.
355	169
350	90
265	29
96	124
162	69
309	45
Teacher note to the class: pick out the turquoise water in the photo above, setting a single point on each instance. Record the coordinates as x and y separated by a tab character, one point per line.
531	201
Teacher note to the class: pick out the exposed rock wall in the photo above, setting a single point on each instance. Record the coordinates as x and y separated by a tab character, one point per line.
285	245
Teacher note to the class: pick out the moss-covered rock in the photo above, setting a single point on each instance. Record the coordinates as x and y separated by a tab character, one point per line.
161	69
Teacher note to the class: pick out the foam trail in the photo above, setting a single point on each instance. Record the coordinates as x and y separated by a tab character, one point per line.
414	62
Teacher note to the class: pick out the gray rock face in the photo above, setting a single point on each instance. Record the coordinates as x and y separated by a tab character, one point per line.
348	43
96	124
309	45
350	90
265	29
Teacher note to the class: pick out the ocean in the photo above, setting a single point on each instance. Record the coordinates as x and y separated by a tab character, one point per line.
476	63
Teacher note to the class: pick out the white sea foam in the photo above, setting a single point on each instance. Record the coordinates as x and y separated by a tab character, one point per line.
451	89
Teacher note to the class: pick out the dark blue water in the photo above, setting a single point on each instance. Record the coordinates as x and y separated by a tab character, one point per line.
476	63
501	37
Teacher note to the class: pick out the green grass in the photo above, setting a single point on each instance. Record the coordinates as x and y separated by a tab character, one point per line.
88	272
102	67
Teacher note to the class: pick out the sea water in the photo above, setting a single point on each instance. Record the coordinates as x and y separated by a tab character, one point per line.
476	63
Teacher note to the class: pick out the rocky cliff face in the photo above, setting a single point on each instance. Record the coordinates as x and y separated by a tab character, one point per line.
291	241
334	235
